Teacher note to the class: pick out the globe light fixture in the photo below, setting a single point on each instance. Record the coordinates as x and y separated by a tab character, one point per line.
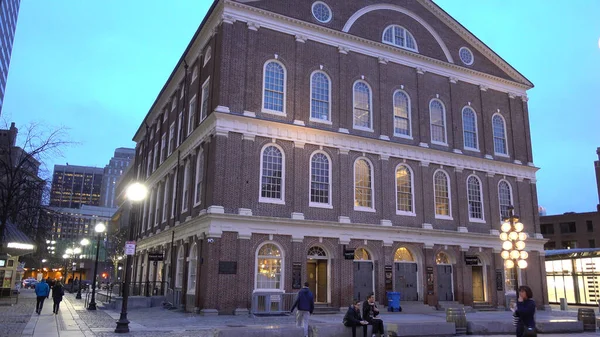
513	244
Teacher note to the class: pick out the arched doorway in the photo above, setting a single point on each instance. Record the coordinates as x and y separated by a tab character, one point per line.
444	276
317	268
363	274
479	277
405	278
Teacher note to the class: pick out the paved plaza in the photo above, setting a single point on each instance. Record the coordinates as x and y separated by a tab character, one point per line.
74	320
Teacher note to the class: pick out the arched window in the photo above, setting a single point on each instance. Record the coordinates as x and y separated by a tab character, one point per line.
441	188
469	128
362	106
179	268
361	254
316	251
474	198
402	125
207	55
320	179
320	96
269	267
165	199
504	198
403	255
499	127
437	118
186	189
399	37
272	174
274	87
404	190
363	184
442	258
199	178
192	265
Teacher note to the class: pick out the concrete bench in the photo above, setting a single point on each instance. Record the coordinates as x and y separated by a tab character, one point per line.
559	326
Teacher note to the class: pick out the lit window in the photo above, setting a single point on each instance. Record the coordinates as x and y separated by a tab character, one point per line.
441	187
437	115
474	198
469	128
362	106
399	37
320	96
320	179
272	174
499	128
404	188
363	184
269	267
274	87
403	255
402	125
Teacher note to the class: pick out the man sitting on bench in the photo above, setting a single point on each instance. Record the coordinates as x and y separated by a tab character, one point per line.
353	319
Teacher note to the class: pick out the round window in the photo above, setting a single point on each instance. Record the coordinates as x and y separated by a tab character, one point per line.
321	12
466	56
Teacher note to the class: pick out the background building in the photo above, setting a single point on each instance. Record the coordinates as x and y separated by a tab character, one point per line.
9	12
112	172
73	186
74	224
290	134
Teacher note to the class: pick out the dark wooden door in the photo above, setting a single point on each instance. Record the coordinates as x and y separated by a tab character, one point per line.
406	281
444	274
363	279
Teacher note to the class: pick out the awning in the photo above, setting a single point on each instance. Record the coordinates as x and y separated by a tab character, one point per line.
562	254
16	243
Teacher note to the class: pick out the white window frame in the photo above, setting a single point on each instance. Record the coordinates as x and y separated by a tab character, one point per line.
149	164
315	119
174	104
468	51
207	56
330	185
172	144
194	73
445	142
179	268
186	181
174	194
156	157
441	216
179	128
372	183
358	127
412	190
407	34
409	114
280	201
157	205
204	100
199	178
145	215
163	148
192	269
510	193
472	219
165	199
282	267
264	88
476	148
505	137
151	206
312	11
191	115
182	90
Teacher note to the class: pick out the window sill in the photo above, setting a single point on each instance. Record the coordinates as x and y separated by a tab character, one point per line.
471	149
477	220
405	213
501	155
273	112
399	135
364	209
439	143
271	201
361	128
444	217
322	121
268	290
318	205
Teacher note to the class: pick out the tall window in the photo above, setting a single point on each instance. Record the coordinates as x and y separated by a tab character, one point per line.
437	115
272	173
192	265
320	96
404	196
199	178
195	73
269	267
504	198
399	37
157	205
402	125
499	128
186	189
204	104
163	148
145	216
320	179
192	115
474	198
171	138
155	158
363	184
180	128
165	199
469	128
274	87
207	55
179	268
441	188
174	194
362	106
149	164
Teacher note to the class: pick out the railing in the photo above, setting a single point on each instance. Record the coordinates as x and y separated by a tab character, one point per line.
272	303
149	288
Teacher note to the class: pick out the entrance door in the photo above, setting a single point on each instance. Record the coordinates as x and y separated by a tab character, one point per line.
478	295
317	279
363	279
444	273
406	281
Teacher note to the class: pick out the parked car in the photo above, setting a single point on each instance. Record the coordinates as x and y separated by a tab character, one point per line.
30	283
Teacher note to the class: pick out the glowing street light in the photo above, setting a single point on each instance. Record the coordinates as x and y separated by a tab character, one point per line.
513	244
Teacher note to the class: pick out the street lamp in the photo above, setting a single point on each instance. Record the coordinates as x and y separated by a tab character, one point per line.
83	242
513	245
100	228
136	192
66	257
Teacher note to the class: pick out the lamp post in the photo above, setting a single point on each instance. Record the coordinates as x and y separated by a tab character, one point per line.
513	245
83	242
43	261
136	192
64	274
100	228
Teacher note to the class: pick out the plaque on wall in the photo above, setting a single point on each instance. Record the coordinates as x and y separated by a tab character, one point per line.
499	280
296	275
227	267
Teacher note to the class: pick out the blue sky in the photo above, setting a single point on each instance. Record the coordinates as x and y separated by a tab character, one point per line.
96	67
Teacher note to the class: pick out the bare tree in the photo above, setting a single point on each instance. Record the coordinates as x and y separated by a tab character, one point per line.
116	249
23	191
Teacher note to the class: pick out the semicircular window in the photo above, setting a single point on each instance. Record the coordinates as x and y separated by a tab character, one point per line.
400	37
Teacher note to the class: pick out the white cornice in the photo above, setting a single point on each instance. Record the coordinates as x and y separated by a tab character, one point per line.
293	27
382	148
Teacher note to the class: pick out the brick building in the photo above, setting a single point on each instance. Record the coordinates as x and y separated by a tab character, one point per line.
291	132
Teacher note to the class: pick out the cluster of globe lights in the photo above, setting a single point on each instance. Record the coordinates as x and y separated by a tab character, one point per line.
513	245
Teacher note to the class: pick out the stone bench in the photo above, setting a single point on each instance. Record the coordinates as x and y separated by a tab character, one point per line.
559	326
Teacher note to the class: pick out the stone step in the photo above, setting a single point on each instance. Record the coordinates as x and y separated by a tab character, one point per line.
325	309
415	307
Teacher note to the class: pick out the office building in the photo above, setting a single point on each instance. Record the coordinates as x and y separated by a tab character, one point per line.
73	186
112	172
9	12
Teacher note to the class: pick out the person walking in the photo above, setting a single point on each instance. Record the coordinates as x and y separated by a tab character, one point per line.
353	319
525	311
42	291
370	312
305	303
57	295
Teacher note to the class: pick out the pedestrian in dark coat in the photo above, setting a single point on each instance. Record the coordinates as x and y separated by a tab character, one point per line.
525	311
58	291
305	303
42	291
370	313
353	319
